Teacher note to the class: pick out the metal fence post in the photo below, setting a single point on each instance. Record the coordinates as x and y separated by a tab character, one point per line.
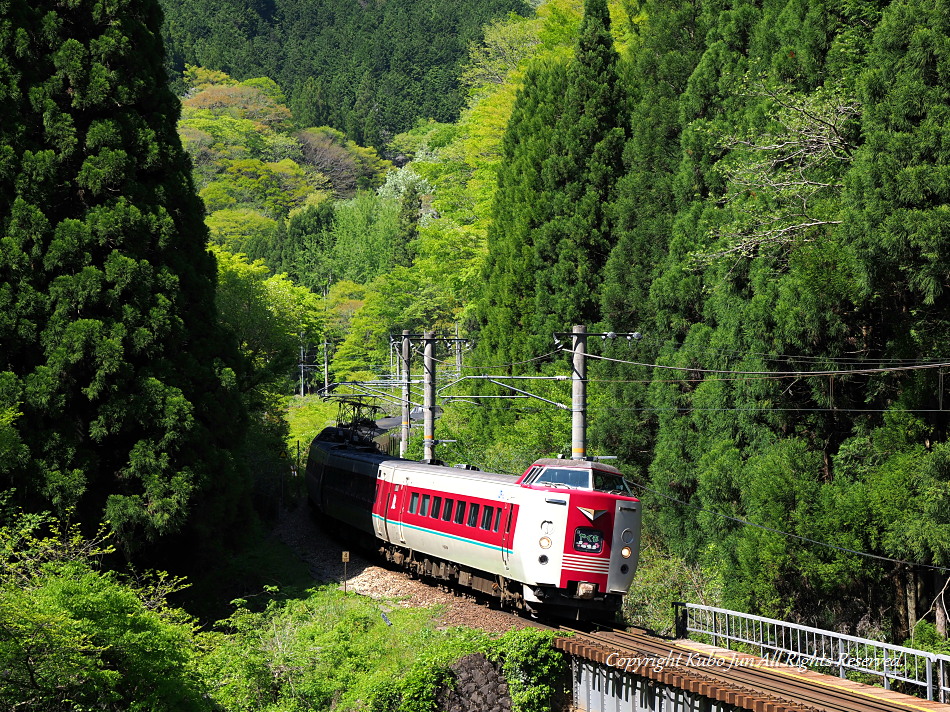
930	678
680	620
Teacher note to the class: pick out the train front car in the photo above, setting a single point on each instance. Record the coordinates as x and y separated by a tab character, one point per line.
578	538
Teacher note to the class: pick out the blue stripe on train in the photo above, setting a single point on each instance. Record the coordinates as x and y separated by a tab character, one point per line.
448	536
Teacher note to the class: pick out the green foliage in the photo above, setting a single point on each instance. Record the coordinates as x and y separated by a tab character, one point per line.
307	416
348	166
272	188
75	637
267	314
365	233
329	649
106	276
390	74
534	669
243	230
305	653
927	638
550	233
12	450
662	579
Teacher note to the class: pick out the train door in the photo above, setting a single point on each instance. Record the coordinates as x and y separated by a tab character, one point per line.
400	501
507	523
384	505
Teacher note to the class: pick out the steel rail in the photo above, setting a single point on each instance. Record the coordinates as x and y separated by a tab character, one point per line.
759	688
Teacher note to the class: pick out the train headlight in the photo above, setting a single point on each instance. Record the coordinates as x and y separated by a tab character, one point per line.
544	542
626	552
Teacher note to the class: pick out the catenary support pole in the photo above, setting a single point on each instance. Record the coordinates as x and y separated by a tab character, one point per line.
406	406
302	361
428	410
579	393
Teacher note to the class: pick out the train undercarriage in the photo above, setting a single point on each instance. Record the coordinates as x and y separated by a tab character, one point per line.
541	601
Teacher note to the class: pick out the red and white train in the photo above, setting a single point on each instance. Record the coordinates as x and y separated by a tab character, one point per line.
563	538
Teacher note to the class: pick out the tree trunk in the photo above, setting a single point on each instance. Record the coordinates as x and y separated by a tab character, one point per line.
940	604
910	588
900	609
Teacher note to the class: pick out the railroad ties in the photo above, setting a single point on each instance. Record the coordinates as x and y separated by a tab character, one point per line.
633	672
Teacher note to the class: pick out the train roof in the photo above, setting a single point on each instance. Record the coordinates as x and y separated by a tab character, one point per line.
448	471
576	464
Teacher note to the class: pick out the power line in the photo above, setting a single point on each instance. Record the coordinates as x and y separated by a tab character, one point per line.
775	374
789	534
513	363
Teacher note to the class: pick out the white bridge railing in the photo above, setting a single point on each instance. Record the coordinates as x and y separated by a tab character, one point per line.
922	673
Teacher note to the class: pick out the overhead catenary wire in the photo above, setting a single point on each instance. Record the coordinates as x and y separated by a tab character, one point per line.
416	351
775	374
789	534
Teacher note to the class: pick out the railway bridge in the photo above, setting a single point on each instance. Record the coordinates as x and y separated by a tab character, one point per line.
750	663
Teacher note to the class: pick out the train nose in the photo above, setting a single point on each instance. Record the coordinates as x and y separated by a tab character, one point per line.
626	546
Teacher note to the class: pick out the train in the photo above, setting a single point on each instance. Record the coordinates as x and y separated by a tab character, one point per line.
560	540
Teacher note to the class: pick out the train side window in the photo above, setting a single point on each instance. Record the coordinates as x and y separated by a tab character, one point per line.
460	512
447	512
436	507
473	515
413	503
508	520
425	505
487	515
497	519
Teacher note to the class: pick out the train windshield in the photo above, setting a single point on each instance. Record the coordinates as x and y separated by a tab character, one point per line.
563	477
581	479
609	482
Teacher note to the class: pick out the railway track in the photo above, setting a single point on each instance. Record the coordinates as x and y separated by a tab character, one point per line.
735	678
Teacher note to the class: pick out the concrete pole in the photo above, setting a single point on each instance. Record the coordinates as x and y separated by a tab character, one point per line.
428	409
301	365
579	393
404	364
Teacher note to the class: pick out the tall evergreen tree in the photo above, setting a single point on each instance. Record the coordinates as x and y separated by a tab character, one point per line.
107	318
662	63
521	206
551	232
580	174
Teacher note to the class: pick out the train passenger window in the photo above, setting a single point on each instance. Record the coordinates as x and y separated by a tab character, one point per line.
487	515
413	503
497	519
425	505
436	507
447	512
460	512
473	515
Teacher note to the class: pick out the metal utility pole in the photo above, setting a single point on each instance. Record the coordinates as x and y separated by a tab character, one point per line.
428	401
406	405
579	393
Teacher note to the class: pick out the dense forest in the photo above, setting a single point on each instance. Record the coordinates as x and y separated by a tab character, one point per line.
367	68
760	189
